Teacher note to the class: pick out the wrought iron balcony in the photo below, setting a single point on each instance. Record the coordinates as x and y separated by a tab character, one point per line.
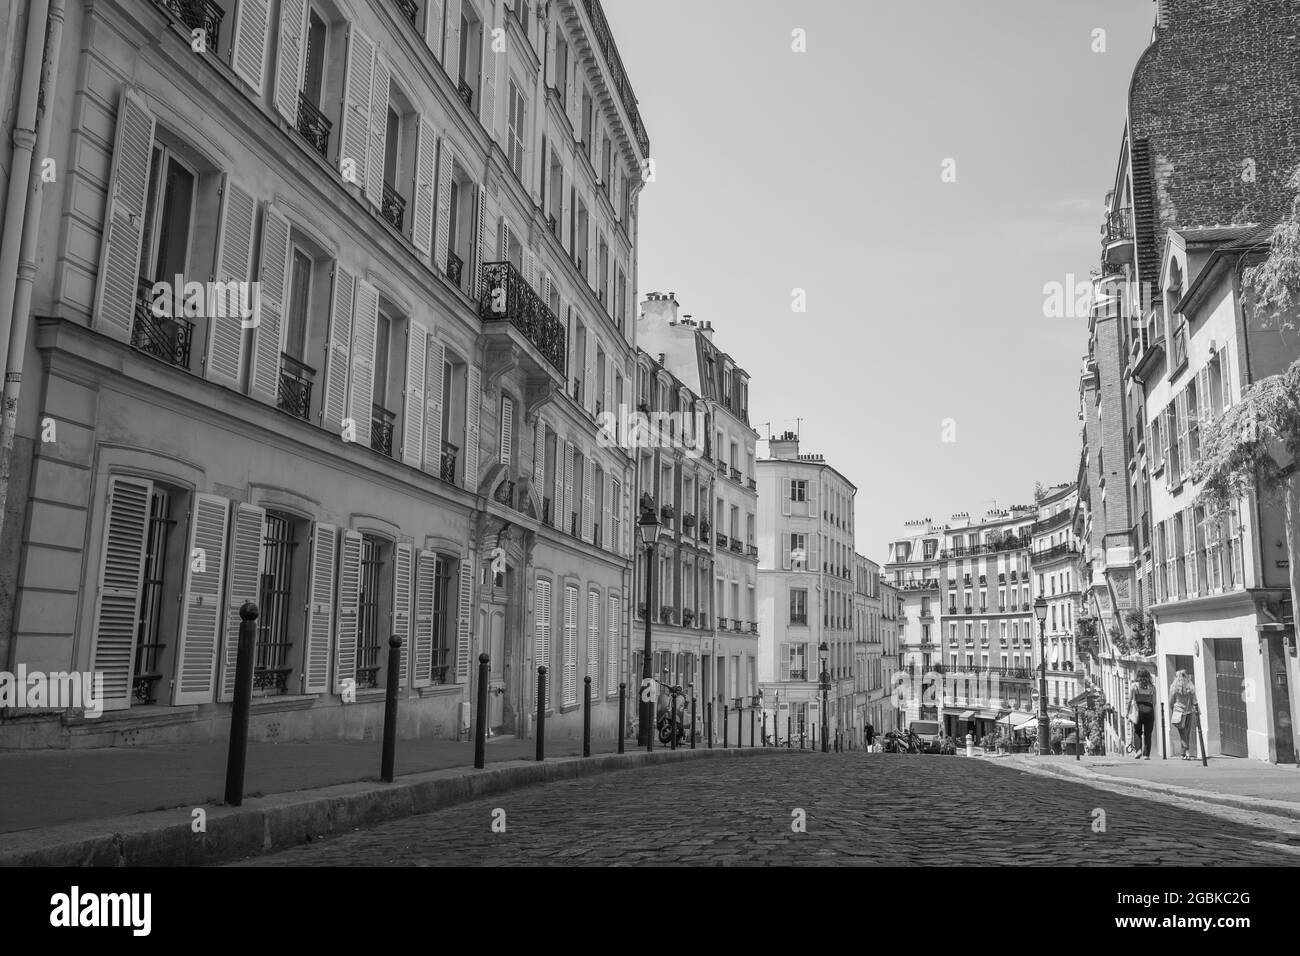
506	297
753	485
393	207
466	93
447	471
294	393
313	125
554	225
1118	226
199	15
801	674
409	9
753	550
737	546
735	473
162	337
618	76
722	540
800	620
722	624
454	268
381	429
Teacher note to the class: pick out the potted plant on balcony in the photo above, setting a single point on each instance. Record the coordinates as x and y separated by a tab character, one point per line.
666	615
688	617
688	521
667	512
647	502
704	527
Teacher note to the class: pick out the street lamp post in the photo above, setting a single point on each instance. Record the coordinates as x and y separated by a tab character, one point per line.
1044	726
826	689
649	529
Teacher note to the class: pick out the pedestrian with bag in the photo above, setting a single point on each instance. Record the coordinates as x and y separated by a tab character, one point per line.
871	737
1142	713
1182	703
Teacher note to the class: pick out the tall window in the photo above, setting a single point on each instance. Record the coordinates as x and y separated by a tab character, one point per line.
271	674
798	488
369	637
515	136
149	645
443	621
798	606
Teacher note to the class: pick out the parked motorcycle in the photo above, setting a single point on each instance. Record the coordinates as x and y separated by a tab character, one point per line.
666	731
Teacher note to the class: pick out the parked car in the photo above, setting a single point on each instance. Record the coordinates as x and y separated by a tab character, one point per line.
930	734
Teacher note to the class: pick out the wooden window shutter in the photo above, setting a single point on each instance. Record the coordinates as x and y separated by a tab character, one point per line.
243	581
464	620
252	26
119	260
268	332
426	571
812	496
612	646
507	429
606	514
365	318
433	27
349	606
559	512
292	55
588	499
234	263
539	462
442	241
320	608
570	651
542	636
426	163
473	409
413	426
491	75
205	579
479	253
568	487
786	486
589	377
451	58
334	405
435	359
354	138
593	642
378	129
503	241
121	573
402	568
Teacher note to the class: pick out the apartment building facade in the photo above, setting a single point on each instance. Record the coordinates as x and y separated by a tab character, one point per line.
805	586
872	673
893	621
435	203
1054	564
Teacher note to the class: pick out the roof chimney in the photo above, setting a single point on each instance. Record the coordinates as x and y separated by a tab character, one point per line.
785	447
659	308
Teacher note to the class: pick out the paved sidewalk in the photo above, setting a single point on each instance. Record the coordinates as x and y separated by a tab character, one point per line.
1228	781
50	787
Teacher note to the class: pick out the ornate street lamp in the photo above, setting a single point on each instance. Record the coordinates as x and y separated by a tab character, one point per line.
1044	726
649	529
823	647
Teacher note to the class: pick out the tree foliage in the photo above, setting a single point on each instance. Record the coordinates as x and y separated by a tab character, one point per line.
1276	281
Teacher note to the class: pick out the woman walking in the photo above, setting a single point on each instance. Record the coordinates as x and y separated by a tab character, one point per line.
1182	703
1142	708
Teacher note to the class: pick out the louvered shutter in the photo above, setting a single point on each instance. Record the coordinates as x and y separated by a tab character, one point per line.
402	567
787	553
464	620
451	59
435	358
503	241
481	252
119	261
442	240
426	578
588	499
589	376
334	407
234	264
433	27
272	298
252	25
201	602
473	400
567	525
422	213
349	607
378	129
530	269
354	141
593	642
616	518
361	390
507	428
539	461
417	347
559	514
320	608
612	647
542	637
488	93
550	79
121	572
244	578
812	495
593	265
293	52
569	687
606	513
786	486
1225	376
1166	440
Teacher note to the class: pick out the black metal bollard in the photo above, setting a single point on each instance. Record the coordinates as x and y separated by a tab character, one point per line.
765	728
751	726
586	716
390	708
724	727
1164	755
692	723
1078	735
237	755
541	712
1205	760
480	710
708	722
622	714
672	721
789	727
814	736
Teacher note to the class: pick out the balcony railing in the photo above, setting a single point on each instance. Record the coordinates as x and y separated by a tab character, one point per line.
1118	226
753	550
393	207
294	394
505	296
447	470
313	125
200	15
722	624
799	620
735	473
381	429
454	268
737	546
466	93
722	540
800	674
1056	551
162	337
409	9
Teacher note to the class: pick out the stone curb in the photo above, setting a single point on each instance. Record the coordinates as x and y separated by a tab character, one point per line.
1277	808
278	821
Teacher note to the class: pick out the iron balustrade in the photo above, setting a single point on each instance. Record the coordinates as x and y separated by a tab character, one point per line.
618	76
454	268
393	207
735	474
737	546
313	125
409	8
161	336
753	485
199	15
1118	226
1056	551
447	470
506	296
722	540
294	392
381	429
554	224
722	624
466	93
799	619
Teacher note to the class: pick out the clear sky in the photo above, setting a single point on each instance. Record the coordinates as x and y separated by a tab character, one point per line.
777	170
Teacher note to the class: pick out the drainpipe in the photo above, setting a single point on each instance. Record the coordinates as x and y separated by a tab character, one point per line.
18	245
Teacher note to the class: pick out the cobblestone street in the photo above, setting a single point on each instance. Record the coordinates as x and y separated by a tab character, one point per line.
860	810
